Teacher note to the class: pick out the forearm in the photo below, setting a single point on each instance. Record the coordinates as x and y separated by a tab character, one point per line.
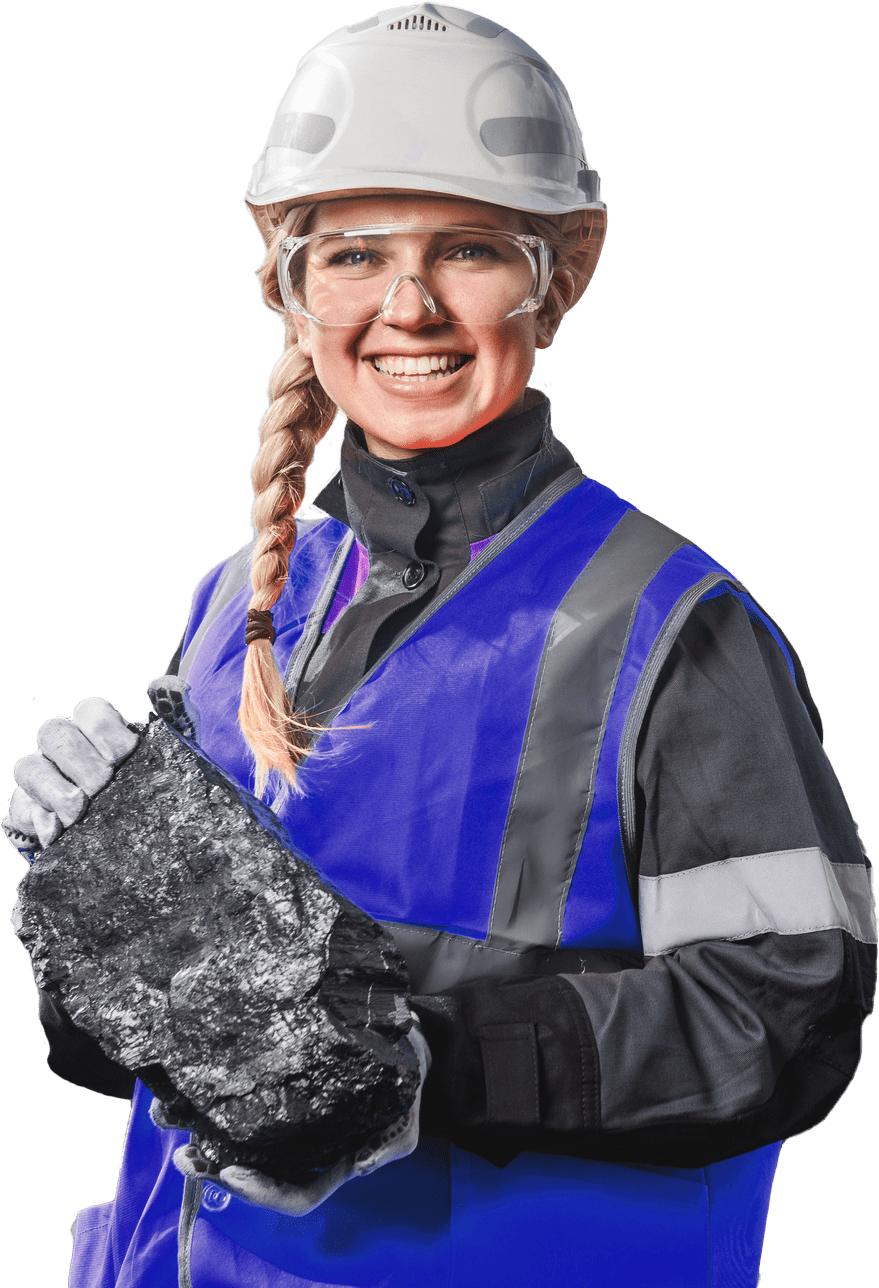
711	1051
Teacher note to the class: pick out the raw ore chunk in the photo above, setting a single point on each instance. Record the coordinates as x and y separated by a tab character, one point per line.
177	925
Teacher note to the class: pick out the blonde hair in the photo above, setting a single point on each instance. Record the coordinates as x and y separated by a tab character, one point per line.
299	414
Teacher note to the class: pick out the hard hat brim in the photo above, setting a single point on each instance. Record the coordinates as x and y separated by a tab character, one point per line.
329	185
267	222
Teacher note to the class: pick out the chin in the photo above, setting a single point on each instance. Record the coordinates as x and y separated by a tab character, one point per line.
411	438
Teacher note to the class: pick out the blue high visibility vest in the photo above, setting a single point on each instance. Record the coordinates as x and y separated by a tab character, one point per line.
475	793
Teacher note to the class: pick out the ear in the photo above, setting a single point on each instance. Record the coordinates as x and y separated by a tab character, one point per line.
559	299
303	333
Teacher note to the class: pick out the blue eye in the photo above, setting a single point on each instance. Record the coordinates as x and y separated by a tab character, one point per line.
353	258
474	253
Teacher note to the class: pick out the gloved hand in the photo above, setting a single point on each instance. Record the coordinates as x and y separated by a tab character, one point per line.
396	1141
76	759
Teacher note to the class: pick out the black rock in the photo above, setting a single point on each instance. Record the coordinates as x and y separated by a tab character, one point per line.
178	926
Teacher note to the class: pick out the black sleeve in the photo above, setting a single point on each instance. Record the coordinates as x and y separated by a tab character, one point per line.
78	1058
719	1043
174	664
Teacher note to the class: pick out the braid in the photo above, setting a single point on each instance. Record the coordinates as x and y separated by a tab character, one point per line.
299	414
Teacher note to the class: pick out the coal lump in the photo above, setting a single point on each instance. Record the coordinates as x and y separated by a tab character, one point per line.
178	926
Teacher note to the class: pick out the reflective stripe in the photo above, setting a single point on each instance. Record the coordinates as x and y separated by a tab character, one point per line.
233	579
789	892
555	781
310	637
438	961
656	659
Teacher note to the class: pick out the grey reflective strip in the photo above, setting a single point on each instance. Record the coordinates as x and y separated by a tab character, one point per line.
438	960
575	684
233	579
508	136
789	892
643	690
188	1212
310	636
304	131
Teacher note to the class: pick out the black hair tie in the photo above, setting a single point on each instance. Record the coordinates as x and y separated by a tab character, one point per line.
259	626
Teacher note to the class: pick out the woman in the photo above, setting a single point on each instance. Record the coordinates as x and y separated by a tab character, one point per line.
497	463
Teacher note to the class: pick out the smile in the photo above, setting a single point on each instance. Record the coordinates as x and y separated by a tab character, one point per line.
427	366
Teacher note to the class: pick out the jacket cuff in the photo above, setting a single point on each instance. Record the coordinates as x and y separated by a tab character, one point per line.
514	1066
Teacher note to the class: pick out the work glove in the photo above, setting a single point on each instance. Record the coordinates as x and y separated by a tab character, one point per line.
76	758
396	1141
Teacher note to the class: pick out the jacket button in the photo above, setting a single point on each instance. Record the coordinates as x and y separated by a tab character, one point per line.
413	575
402	492
215	1198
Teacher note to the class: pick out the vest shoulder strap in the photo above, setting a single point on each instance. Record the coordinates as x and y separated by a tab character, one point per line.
231	581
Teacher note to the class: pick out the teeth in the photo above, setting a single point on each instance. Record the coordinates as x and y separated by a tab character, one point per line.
427	366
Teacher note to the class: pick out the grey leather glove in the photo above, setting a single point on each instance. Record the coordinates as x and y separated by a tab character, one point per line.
76	758
396	1141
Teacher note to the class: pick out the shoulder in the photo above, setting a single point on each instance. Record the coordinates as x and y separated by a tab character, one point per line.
217	588
226	581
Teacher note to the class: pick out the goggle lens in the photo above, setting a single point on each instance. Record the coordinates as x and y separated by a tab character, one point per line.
466	275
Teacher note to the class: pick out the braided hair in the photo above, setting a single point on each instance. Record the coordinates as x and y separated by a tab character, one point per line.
299	415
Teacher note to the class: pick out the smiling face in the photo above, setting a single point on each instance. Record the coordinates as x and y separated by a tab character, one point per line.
410	379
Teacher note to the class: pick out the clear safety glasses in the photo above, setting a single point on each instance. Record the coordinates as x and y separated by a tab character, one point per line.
352	276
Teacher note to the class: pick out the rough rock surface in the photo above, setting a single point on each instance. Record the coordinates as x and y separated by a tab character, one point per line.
177	925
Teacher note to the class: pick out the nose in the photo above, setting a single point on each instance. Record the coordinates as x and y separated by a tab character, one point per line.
407	303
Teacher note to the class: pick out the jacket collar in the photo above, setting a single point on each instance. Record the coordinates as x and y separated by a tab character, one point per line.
438	504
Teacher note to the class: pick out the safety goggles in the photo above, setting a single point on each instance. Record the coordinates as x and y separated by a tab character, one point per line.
352	276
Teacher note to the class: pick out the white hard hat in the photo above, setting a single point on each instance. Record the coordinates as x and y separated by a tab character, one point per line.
429	99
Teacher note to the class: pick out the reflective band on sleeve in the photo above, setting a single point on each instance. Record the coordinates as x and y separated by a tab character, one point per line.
789	892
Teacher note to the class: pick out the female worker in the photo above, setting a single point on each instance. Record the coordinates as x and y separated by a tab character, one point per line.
538	734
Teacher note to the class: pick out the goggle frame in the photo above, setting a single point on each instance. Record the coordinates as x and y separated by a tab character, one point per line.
536	250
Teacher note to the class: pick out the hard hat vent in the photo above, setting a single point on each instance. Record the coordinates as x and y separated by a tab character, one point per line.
417	22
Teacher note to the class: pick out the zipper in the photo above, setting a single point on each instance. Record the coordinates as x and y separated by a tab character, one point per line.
192	1189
